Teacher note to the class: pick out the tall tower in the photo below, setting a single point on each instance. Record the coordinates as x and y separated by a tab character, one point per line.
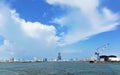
59	56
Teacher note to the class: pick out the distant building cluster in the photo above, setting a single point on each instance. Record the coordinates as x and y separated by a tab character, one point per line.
58	59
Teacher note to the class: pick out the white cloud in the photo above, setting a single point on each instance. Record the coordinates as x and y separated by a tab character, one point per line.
38	30
84	5
6	49
109	15
46	34
6	46
28	36
35	30
87	18
60	21
2	16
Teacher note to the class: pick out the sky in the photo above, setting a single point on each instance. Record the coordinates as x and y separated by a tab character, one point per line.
42	28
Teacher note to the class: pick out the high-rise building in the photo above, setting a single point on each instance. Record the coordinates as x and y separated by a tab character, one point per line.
11	60
45	60
59	56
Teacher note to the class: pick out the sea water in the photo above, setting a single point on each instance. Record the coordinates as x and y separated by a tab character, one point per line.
59	68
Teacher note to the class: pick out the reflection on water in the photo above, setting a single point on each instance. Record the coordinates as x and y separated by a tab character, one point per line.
59	68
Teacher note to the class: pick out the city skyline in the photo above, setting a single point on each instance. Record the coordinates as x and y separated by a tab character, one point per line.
42	28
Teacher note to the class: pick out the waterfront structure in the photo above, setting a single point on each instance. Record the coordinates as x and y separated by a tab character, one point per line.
35	59
11	60
45	60
59	56
100	50
113	58
104	58
109	58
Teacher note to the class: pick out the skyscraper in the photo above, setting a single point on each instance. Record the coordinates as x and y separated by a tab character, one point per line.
59	56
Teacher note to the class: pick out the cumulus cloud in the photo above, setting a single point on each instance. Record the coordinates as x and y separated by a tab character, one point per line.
29	37
86	18
6	49
6	46
37	30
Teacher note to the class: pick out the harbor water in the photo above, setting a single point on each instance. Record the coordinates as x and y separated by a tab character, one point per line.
59	68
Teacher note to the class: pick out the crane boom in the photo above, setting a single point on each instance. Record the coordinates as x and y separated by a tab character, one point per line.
100	50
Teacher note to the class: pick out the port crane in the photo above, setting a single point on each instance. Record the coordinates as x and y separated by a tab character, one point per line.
100	50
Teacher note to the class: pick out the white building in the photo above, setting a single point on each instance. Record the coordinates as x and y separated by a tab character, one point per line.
114	59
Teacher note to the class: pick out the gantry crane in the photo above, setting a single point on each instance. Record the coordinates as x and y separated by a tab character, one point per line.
100	50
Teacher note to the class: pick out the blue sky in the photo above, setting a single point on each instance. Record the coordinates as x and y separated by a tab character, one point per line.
42	28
